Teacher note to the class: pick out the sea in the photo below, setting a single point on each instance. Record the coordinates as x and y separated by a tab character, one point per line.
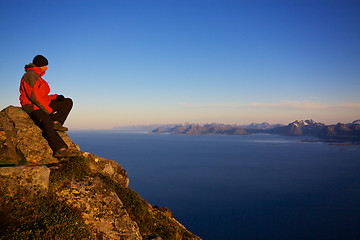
257	186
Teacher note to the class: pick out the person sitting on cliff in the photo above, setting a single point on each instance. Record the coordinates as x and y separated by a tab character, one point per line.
48	111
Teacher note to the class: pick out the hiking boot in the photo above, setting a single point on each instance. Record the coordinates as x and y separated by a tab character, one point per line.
65	153
59	127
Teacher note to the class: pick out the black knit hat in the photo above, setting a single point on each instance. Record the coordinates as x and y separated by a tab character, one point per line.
40	61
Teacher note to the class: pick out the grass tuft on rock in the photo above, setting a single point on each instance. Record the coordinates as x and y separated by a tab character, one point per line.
74	168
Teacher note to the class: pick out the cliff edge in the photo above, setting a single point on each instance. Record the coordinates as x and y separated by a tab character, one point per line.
86	197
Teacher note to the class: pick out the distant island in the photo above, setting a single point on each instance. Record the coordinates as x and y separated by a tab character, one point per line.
337	132
202	129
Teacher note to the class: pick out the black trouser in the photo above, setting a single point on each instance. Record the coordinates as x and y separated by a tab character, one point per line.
61	109
46	122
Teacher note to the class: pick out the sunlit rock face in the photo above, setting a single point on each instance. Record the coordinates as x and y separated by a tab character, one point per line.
93	191
21	141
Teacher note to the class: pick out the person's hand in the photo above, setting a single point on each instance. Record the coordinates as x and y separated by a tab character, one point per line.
60	98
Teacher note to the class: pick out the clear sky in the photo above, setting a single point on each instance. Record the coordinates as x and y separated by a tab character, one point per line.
200	61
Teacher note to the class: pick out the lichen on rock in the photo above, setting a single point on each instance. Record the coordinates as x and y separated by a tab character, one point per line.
108	168
24	138
101	208
33	178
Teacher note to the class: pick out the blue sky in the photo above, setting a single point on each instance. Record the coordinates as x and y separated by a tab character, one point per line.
149	62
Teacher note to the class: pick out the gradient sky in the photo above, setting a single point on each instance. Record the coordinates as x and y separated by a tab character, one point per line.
149	62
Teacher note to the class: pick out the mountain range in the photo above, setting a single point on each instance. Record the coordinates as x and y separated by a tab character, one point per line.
296	128
337	132
202	129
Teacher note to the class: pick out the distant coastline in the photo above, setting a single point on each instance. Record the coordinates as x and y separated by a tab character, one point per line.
340	132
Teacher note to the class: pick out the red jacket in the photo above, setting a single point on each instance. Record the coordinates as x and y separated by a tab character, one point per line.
34	91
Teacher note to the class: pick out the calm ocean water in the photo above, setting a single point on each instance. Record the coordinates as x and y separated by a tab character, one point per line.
241	187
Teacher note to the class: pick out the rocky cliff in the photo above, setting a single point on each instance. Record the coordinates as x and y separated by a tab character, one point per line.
86	197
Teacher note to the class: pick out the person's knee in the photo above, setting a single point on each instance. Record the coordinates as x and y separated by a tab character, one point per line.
69	102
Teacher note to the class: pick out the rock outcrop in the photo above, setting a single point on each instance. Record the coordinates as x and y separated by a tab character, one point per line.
21	140
86	197
33	178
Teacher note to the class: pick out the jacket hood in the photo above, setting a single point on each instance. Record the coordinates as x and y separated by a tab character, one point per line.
32	67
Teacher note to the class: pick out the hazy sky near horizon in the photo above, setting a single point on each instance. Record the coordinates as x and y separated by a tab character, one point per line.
149	62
